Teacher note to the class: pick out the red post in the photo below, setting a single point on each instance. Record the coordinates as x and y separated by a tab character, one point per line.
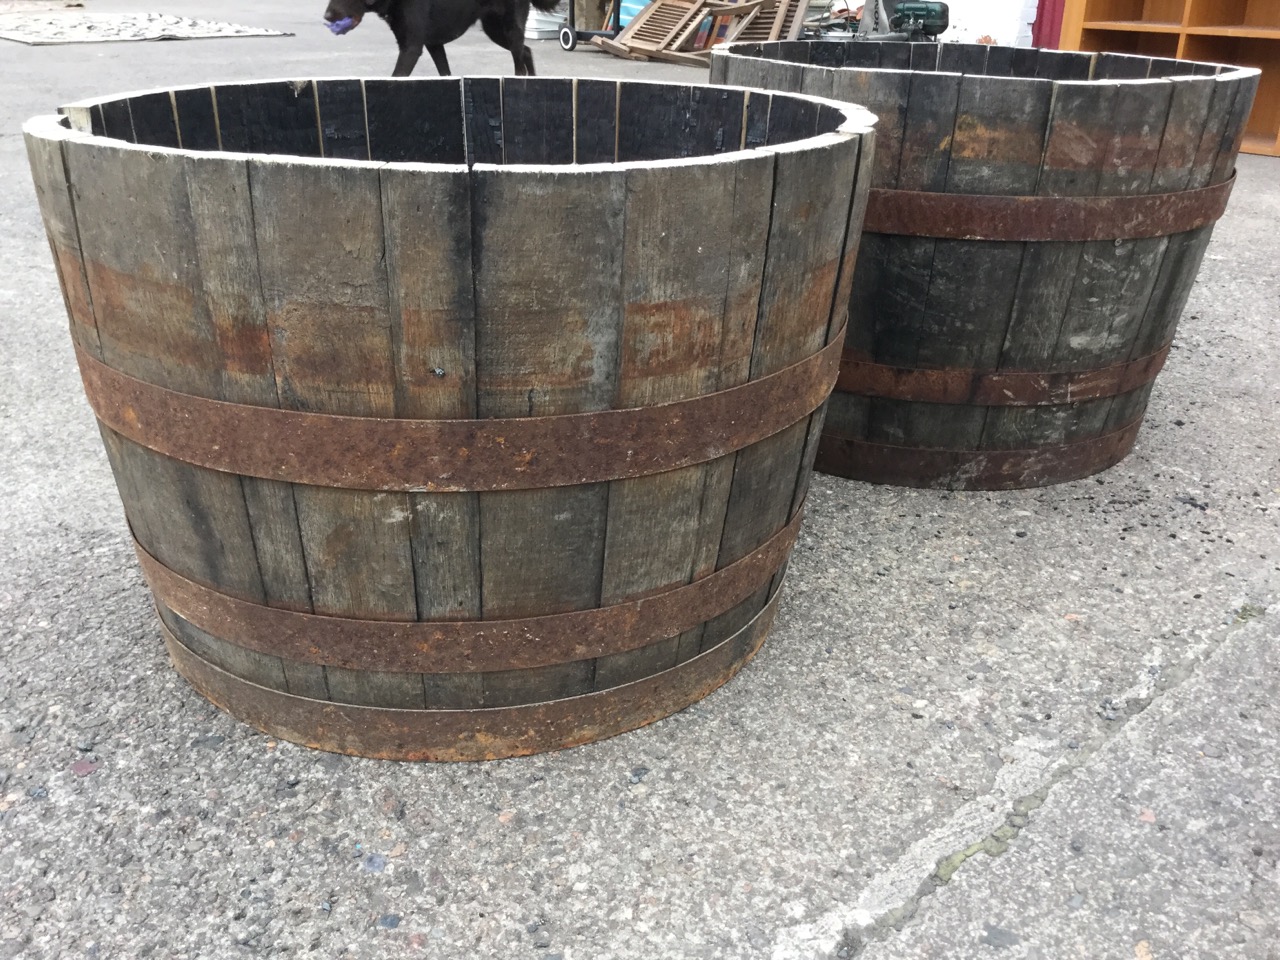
1047	29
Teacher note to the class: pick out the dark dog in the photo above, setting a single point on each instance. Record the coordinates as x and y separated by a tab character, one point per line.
433	23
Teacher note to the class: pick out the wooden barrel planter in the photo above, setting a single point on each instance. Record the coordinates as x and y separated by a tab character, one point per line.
1036	222
457	419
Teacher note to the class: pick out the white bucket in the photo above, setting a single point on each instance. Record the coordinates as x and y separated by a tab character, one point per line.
543	26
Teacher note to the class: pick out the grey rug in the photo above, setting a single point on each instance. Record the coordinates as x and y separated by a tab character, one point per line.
51	28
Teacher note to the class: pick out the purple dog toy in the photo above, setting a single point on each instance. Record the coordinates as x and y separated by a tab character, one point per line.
345	25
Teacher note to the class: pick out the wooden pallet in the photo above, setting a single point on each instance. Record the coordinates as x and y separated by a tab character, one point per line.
783	21
667	29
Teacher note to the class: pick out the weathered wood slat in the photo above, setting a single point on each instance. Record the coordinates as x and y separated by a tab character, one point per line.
344	127
692	122
226	251
427	218
117	121
997	147
544	350
53	192
153	322
269	118
332	346
266	671
197	120
961	58
885	93
154	119
924	56
416	122
482	105
1114	278
776	75
791	120
896	56
1076	148
673	313
1119	66
796	303
1000	62
748	235
889	328
595	121
195	519
865	55
1063	65
537	120
1214	159
827	55
1190	102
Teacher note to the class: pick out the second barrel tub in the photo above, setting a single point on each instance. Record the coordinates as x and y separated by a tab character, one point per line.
1036	222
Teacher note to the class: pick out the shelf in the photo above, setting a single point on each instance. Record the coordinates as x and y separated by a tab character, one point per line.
1259	143
1135	26
1253	17
1246	30
1148	43
1142	11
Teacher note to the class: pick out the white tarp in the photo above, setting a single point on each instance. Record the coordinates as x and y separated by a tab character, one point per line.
50	28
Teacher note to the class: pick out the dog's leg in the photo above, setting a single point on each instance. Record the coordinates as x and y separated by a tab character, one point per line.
408	59
438	58
505	32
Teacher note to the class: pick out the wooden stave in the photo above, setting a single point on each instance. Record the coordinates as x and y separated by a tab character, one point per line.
290	586
1172	260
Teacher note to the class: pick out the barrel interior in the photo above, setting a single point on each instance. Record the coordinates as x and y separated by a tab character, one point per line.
543	572
471	120
975	58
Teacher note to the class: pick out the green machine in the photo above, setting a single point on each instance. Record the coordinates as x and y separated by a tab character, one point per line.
912	20
920	20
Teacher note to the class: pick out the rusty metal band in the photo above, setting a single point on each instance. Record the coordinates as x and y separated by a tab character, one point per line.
974	469
369	453
996	388
954	216
468	646
486	733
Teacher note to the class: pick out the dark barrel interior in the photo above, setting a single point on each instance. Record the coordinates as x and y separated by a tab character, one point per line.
975	58
454	121
1035	224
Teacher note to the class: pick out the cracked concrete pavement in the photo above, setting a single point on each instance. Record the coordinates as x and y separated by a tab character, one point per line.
1034	724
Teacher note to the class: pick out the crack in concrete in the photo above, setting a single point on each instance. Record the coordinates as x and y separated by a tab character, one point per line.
894	897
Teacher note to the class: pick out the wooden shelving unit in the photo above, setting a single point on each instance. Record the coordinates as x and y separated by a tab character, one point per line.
1241	32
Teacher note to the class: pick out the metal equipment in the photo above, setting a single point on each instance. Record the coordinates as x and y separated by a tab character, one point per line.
920	20
912	20
570	34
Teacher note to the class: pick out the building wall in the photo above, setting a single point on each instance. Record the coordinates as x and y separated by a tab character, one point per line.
1007	22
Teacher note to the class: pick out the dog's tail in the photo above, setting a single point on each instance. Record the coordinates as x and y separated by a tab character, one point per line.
546	6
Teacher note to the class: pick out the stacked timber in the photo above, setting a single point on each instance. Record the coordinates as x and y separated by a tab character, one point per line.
443	430
1036	223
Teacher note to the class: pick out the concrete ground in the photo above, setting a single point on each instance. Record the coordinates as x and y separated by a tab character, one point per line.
1038	724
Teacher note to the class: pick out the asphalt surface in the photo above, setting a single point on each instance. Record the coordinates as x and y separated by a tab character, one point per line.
1038	724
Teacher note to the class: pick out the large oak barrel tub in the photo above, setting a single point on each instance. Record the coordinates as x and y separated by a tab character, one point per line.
1036	221
457	419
